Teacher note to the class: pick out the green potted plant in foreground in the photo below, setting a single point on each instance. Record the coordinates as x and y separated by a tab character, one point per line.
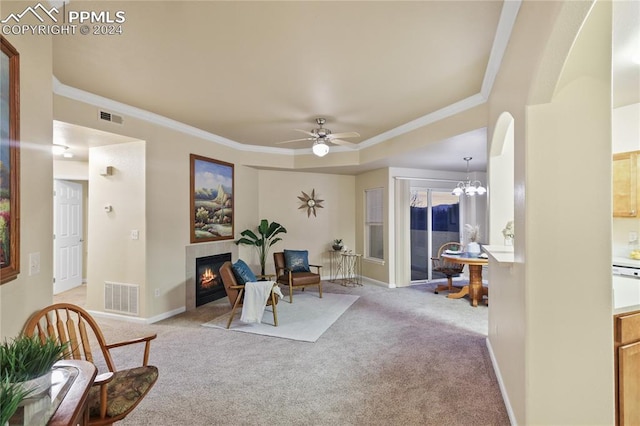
11	395
262	243
27	361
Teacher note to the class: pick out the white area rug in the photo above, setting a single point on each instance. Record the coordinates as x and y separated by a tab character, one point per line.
305	319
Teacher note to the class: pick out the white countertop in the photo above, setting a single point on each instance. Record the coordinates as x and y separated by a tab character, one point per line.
626	309
625	261
500	254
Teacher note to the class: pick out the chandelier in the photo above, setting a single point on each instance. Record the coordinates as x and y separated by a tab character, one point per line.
467	187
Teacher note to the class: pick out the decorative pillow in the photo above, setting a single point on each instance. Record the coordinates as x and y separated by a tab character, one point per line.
243	273
297	260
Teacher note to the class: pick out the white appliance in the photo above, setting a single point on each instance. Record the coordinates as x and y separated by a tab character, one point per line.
626	283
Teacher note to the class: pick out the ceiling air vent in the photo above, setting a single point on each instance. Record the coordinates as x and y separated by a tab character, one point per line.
112	118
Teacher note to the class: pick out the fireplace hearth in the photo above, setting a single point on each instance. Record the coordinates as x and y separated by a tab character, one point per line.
209	286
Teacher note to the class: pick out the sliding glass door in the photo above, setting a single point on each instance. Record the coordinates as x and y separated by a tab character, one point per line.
435	220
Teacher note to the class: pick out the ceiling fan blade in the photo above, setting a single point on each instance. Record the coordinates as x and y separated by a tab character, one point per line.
345	135
305	132
341	142
296	140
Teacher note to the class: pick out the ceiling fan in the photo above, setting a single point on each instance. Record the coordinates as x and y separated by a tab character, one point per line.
321	136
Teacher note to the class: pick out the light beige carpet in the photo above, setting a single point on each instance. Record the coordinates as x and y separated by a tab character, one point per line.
306	319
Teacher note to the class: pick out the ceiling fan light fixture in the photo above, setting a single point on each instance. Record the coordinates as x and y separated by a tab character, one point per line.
320	148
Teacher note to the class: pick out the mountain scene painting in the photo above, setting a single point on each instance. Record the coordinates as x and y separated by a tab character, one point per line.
211	199
5	165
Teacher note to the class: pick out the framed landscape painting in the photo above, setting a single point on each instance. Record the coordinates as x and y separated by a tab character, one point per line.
9	163
211	199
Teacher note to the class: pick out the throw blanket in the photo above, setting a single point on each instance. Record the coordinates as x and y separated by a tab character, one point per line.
256	295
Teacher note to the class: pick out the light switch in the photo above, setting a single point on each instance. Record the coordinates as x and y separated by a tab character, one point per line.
34	263
135	234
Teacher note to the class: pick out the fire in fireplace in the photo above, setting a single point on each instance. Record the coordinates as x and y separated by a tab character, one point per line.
209	286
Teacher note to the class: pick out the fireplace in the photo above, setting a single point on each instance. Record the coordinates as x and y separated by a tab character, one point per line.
209	286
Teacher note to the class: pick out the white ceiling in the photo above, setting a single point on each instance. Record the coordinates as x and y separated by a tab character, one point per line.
252	72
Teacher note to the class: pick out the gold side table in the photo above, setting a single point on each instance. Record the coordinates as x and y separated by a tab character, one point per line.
351	269
335	265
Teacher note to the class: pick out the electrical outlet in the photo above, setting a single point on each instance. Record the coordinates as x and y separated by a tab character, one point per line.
135	234
34	263
157	292
633	236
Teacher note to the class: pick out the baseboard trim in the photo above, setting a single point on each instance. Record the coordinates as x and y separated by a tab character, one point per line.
138	320
503	389
376	282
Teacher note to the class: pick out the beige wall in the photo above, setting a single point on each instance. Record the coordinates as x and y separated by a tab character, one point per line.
579	115
507	320
558	292
26	294
113	255
71	170
278	194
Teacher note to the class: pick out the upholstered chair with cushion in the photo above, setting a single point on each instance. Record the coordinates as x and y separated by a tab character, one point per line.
234	277
294	271
115	393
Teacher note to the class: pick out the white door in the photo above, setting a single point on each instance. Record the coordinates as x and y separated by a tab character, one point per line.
67	228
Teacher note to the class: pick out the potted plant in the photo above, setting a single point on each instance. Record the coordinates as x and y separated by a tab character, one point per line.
11	395
262	243
337	244
27	361
508	233
473	235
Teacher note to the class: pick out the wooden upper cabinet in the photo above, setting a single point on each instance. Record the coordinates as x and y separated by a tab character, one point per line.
625	184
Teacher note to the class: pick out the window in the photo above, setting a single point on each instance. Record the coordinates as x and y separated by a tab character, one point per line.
374	236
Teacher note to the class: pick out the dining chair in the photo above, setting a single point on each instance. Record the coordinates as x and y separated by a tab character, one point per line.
115	393
446	267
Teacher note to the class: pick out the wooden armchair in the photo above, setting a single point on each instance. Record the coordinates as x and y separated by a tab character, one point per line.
446	267
287	277
114	394
235	292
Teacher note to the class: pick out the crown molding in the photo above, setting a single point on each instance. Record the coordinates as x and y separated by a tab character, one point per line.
141	114
438	115
507	20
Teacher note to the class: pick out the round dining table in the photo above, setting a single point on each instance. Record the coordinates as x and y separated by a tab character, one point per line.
474	289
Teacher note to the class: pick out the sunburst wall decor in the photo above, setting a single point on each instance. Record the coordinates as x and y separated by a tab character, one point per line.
311	203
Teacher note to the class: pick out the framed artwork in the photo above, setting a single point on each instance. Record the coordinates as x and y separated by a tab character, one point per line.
211	199
9	162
